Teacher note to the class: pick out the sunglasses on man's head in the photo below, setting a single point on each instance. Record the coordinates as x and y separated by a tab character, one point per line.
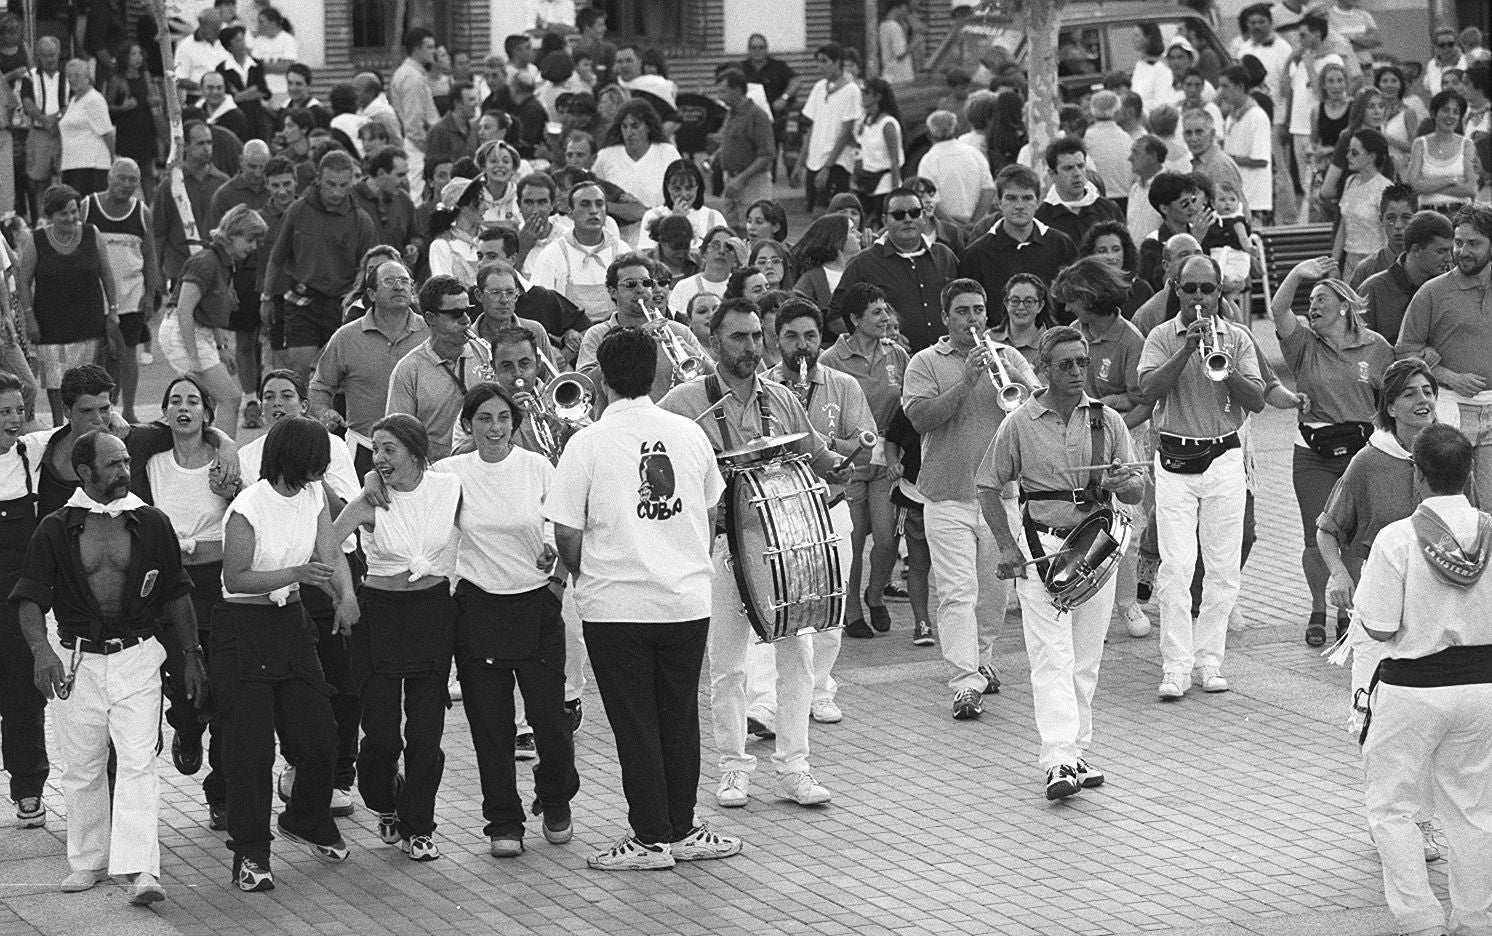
901	214
1191	289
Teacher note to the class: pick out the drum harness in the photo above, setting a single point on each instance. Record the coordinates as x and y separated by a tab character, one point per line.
714	394
1089	494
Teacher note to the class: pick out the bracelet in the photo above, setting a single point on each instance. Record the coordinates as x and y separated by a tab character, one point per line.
193	650
556	580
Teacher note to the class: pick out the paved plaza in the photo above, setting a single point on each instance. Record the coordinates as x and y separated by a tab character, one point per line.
1237	813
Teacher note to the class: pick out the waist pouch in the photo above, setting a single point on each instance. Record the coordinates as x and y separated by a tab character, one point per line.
503	630
1179	455
1342	440
404	633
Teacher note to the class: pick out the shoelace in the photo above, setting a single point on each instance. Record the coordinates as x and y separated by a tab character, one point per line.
735	780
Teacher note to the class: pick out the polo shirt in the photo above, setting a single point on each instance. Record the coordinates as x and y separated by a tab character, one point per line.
1377	488
745	136
488	329
1373	263
431	389
53	576
662	373
1343	383
1452	313
836	408
1114	364
211	271
357	362
996	256
880	373
1387	293
913	284
1075	222
1035	448
1197	407
953	448
646	552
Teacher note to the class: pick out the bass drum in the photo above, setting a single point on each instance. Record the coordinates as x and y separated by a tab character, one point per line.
1090	555
784	551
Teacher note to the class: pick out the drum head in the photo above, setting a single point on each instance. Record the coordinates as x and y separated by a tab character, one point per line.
758	450
1094	547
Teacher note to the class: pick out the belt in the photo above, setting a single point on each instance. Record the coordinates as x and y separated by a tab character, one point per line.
1060	533
106	647
1189	440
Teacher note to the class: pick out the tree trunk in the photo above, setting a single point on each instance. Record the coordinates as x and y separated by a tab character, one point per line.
1042	22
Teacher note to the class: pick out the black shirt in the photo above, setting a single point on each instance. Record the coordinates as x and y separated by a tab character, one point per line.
774	76
53	575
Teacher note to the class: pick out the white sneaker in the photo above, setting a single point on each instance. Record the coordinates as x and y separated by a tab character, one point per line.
1137	621
1211	679
146	890
1432	847
801	789
734	789
1173	686
703	844
342	804
83	880
453	686
825	711
286	784
631	855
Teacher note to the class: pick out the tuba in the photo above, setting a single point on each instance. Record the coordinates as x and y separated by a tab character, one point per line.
1217	362
686	367
1012	394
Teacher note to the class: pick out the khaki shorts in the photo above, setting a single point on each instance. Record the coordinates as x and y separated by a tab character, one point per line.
54	360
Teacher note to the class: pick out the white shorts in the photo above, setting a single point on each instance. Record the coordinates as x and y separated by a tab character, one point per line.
169	335
54	360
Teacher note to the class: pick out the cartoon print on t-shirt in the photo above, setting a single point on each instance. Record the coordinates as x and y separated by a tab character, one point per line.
656	500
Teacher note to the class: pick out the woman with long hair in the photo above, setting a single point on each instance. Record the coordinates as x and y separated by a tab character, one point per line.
1338	363
133	97
1026	315
878	135
1360	232
453	230
1443	163
683	195
1403	113
821	253
402	649
499	163
1111	243
634	156
766	220
195	336
275	46
772	259
1007	129
1367	110
277	537
509	632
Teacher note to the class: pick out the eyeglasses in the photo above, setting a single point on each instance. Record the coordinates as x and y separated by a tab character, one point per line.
768	261
1191	289
637	284
1022	303
396	282
501	293
901	214
1072	364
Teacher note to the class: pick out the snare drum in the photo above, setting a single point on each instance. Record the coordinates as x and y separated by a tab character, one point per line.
784	549
1089	556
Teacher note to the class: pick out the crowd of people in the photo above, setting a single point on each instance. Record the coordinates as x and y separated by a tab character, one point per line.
974	359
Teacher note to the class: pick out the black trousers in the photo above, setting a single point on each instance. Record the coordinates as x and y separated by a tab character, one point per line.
839	181
265	673
402	653
182	714
648	676
335	653
23	725
485	625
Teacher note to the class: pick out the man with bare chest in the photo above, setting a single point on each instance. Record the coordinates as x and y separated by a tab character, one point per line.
109	566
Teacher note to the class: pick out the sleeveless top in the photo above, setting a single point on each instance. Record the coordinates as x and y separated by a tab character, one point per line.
874	155
284	530
1328	128
1441	171
124	241
67	297
416	534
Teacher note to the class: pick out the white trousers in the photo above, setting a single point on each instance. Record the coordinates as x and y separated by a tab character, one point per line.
761	660
1188	507
730	637
971	596
1439	738
1065	652
117	698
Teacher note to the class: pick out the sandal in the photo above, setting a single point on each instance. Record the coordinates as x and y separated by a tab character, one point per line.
1315	635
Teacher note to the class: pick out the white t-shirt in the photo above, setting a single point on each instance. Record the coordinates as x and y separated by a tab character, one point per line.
185	495
701	219
1352	24
284	530
689	287
961	173
501	523
195	58
639	483
416	533
1250	136
640	178
82	128
829	113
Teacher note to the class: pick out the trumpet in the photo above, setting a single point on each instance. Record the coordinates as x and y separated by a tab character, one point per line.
1012	394
686	366
1217	362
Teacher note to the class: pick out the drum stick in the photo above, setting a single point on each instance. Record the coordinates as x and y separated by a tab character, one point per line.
867	439
1128	466
1047	558
712	407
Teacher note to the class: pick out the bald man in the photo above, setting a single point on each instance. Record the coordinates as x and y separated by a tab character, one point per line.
123	221
43	94
200	53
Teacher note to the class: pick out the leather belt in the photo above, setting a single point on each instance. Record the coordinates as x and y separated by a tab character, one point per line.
113	645
1060	533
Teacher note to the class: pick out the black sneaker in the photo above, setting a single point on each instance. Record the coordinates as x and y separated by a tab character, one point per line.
991	680
186	753
755	726
895	592
858	628
576	715
880	618
1061	782
523	747
217	818
922	634
252	877
966	705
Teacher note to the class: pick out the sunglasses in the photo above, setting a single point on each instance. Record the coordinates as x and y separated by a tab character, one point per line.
469	311
1072	364
1191	289
637	284
901	214
1445	45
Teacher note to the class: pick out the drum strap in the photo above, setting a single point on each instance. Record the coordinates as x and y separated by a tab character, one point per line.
714	393
1092	493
